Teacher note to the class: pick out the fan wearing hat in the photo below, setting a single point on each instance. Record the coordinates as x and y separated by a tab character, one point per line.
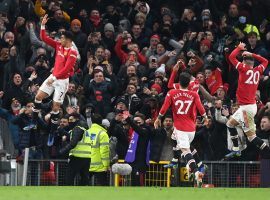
109	32
79	37
205	46
156	90
154	40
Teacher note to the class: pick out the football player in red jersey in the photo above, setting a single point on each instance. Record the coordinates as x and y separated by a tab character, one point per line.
184	104
248	82
194	83
57	82
193	86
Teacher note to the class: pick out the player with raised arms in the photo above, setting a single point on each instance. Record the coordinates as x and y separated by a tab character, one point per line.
57	82
184	104
248	82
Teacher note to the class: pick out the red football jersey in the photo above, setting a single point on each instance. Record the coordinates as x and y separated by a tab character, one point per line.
249	78
193	85
214	81
184	104
65	58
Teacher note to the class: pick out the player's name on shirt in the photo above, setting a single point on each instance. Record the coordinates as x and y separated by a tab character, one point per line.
182	94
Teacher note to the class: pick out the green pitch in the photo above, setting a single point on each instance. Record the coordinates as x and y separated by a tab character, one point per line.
129	193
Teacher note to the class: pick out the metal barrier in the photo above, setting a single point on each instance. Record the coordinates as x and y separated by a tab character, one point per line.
220	174
47	172
52	172
156	175
233	174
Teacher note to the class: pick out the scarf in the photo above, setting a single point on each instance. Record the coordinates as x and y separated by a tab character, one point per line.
131	152
130	134
96	20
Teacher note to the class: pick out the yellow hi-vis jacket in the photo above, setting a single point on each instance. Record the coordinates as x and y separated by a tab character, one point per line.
100	152
83	148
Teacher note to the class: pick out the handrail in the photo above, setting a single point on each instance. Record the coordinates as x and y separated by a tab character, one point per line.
153	162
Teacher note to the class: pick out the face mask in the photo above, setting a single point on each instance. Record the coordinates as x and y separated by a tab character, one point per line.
72	125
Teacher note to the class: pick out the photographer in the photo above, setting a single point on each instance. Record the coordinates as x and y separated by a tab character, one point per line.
29	136
93	42
120	130
42	68
121	105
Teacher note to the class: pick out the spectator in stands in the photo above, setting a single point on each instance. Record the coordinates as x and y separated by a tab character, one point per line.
264	131
134	102
138	154
255	45
57	21
29	136
162	141
14	91
9	115
80	38
71	99
95	20
120	130
99	92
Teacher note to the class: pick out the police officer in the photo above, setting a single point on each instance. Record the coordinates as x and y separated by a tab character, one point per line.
100	152
79	149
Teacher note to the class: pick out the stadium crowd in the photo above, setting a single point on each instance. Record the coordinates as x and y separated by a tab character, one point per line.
128	51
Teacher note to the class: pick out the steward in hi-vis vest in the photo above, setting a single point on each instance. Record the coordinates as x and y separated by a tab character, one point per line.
79	149
100	152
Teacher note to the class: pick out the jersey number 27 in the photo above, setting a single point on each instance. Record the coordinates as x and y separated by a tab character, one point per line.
183	106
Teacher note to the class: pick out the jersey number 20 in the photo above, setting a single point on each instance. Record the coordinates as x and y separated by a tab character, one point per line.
183	106
253	78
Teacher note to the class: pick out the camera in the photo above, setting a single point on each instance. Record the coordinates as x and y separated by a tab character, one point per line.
142	4
118	111
225	107
154	60
88	112
41	59
199	118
